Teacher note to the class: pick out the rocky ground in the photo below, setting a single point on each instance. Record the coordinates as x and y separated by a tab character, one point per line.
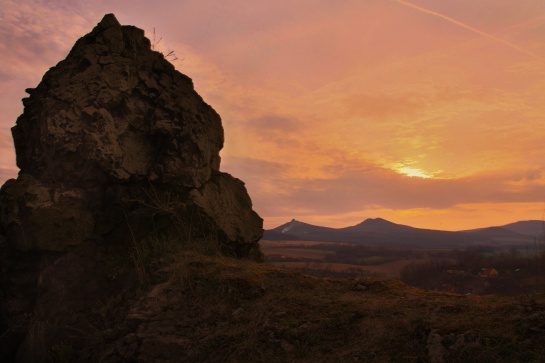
199	308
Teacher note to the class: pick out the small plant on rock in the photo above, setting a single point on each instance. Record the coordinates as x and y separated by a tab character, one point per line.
170	55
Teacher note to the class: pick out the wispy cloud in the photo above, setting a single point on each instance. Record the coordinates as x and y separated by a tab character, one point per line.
473	29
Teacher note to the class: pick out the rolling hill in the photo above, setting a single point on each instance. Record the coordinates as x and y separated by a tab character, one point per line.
532	228
379	231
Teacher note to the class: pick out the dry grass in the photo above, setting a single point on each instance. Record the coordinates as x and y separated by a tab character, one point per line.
385	269
265	244
211	308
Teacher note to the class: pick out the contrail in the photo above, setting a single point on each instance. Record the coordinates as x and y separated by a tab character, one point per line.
470	28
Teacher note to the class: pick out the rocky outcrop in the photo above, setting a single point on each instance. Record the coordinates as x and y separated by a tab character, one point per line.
114	110
115	149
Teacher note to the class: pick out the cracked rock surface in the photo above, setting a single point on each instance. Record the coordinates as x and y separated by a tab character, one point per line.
115	147
116	110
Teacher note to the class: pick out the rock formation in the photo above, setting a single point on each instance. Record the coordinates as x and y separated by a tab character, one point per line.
115	147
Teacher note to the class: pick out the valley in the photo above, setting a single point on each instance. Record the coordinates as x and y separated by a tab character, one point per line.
380	248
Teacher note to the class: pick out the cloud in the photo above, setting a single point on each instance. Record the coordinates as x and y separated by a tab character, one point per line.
280	131
255	168
275	123
383	106
34	33
265	181
355	187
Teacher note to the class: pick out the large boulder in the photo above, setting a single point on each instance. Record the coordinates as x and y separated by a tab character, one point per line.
115	149
115	110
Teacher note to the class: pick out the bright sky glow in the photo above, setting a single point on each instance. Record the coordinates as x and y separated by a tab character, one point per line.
414	172
329	106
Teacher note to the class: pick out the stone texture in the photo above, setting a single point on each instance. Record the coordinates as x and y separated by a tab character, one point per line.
114	110
225	203
38	217
115	147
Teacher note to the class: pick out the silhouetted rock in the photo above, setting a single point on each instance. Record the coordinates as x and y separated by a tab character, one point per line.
115	148
114	110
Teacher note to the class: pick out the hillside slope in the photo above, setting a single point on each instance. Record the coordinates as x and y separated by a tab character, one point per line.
381	232
532	228
201	308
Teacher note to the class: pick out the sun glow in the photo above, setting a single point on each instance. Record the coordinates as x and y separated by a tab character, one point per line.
414	172
406	168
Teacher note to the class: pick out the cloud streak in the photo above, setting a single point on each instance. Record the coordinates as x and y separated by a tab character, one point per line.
473	29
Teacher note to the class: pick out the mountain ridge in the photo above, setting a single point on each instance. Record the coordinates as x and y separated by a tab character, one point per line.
384	232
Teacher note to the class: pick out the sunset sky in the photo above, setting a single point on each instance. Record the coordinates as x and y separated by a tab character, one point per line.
423	112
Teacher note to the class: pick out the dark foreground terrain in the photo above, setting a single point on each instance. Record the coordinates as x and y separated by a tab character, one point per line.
199	308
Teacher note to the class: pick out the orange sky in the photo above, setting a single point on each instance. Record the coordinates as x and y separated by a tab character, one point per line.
428	113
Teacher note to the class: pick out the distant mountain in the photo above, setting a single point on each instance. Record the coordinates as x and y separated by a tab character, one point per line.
379	231
300	228
531	228
498	235
370	231
295	230
493	231
512	231
271	235
377	225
